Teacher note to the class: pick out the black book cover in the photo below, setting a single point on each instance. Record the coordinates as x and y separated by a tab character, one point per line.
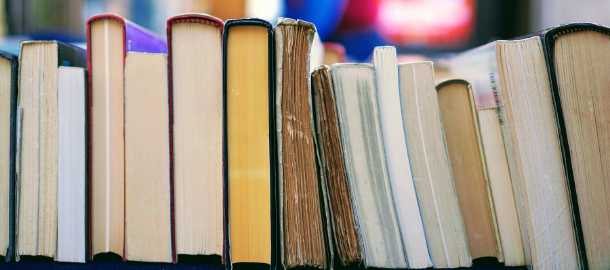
10	252
272	141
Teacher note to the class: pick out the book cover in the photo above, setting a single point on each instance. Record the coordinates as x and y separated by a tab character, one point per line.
136	39
273	159
10	253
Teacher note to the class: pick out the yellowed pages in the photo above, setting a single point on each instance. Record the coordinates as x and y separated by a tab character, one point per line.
248	144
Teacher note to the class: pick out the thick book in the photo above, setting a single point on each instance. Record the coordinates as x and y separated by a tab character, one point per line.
397	158
109	39
465	149
250	211
514	102
577	62
8	145
37	165
365	162
194	44
430	164
303	240
341	219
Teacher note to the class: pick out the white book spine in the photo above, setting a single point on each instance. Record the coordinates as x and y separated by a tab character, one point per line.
397	158
71	165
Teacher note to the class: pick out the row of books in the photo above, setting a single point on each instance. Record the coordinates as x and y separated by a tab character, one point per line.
225	143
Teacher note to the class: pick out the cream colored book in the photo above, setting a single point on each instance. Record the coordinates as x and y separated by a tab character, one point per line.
438	203
365	162
511	84
147	183
195	43
37	169
397	158
71	165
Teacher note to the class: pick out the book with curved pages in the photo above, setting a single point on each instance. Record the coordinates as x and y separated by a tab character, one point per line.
430	164
365	163
341	220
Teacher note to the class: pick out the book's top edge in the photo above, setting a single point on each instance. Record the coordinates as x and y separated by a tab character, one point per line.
379	48
196	17
554	32
8	55
152	53
450	81
289	21
123	21
71	67
352	65
248	21
517	40
106	16
321	67
414	63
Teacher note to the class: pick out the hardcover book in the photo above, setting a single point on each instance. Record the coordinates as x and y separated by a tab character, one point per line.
109	39
195	93
250	220
8	139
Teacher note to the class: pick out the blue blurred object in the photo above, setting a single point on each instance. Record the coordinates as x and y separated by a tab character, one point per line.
359	44
325	14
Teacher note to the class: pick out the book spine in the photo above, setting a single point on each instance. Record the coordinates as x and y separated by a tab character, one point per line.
10	254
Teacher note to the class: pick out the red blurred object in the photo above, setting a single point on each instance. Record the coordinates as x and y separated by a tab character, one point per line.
360	14
431	23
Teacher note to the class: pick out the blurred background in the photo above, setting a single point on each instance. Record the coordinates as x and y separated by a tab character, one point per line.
420	29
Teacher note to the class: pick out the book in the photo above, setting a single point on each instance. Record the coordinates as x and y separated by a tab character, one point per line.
365	162
195	85
334	177
109	39
436	194
465	149
511	78
481	71
397	158
302	236
71	164
148	222
576	61
8	116
249	143
37	174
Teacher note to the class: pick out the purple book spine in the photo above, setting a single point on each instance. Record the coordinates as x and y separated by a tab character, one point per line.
138	39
